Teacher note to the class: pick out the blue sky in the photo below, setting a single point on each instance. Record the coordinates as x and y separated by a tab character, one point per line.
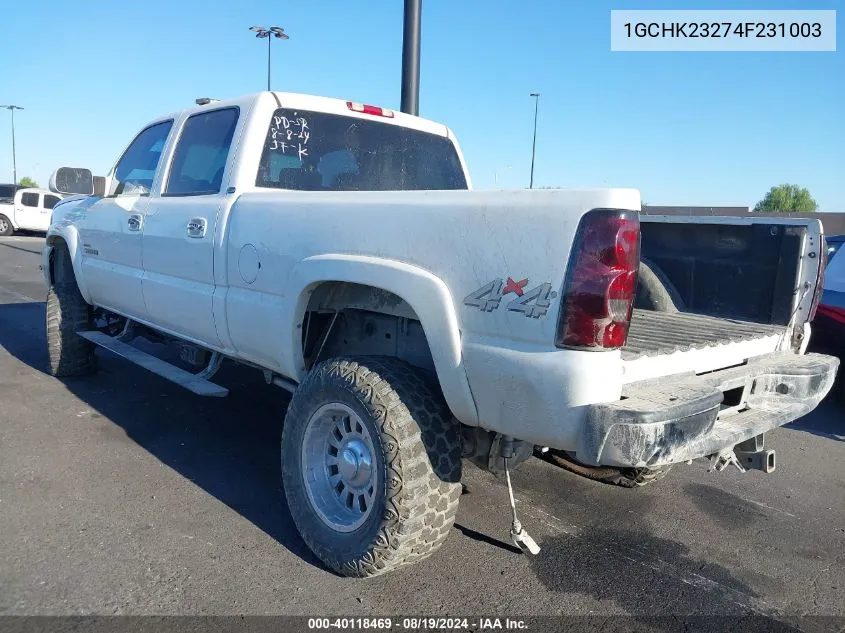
683	128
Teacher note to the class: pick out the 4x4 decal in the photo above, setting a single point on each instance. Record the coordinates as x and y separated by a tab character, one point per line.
531	303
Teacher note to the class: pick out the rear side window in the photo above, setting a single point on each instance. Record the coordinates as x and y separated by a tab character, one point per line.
200	156
50	201
137	167
29	199
315	151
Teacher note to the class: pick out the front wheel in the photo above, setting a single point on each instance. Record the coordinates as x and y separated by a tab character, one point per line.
371	463
67	313
6	227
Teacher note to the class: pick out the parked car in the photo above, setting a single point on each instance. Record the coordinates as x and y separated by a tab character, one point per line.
7	191
829	322
338	248
834	243
29	210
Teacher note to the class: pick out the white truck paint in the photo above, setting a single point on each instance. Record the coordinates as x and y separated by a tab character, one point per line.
29	210
215	250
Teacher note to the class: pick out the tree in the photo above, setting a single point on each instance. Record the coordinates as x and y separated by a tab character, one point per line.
26	181
787	199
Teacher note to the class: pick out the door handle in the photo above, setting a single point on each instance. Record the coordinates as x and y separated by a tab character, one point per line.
197	227
135	220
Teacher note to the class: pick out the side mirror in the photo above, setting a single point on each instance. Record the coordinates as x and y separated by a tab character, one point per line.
72	180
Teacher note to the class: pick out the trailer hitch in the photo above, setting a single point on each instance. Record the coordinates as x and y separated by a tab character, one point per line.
757	460
747	455
752	455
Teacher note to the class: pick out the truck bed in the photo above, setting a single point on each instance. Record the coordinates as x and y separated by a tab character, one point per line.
658	333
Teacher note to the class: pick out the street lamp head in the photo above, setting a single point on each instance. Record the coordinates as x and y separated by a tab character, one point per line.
274	31
11	107
268	34
535	94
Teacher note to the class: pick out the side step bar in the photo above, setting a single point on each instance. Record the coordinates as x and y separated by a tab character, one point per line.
186	379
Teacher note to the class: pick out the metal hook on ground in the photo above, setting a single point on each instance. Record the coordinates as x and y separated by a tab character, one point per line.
520	537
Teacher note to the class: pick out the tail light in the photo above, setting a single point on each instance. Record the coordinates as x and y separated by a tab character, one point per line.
369	109
598	294
819	289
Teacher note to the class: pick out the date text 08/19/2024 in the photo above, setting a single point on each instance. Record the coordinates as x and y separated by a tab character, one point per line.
417	624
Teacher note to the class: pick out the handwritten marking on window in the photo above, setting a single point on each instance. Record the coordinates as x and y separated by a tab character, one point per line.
289	134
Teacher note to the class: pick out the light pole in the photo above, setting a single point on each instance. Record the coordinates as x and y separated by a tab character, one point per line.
536	96
12	109
411	57
273	31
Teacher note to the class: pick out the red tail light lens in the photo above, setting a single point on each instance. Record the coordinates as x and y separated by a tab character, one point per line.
598	294
369	109
819	289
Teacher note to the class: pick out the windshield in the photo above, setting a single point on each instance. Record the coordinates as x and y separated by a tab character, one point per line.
315	151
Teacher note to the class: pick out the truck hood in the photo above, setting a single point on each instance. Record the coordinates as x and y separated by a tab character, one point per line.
72	208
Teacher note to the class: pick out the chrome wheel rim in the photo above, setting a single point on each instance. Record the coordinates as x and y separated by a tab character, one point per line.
4	226
339	467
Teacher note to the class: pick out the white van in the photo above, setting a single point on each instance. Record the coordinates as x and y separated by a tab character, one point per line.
29	210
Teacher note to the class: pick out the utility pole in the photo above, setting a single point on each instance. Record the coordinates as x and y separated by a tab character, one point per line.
273	31
411	57
536	96
12	109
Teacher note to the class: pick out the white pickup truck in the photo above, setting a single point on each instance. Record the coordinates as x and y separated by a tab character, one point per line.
338	248
29	209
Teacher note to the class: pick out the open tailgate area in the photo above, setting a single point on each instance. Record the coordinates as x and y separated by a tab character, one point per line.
656	333
715	292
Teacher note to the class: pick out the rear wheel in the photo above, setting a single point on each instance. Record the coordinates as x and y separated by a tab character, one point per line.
67	313
371	463
625	477
6	227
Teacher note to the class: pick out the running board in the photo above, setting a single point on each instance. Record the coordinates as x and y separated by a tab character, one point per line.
186	379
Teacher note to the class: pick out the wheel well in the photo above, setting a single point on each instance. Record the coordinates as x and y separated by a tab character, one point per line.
60	266
343	319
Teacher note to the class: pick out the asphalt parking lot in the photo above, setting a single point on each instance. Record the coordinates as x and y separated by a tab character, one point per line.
123	494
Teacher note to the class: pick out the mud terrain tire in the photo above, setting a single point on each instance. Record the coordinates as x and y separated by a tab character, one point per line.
415	456
67	313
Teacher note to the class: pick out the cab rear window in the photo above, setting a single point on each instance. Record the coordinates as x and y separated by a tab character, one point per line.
316	151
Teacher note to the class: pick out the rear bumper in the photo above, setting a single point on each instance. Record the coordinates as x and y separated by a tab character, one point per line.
670	420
